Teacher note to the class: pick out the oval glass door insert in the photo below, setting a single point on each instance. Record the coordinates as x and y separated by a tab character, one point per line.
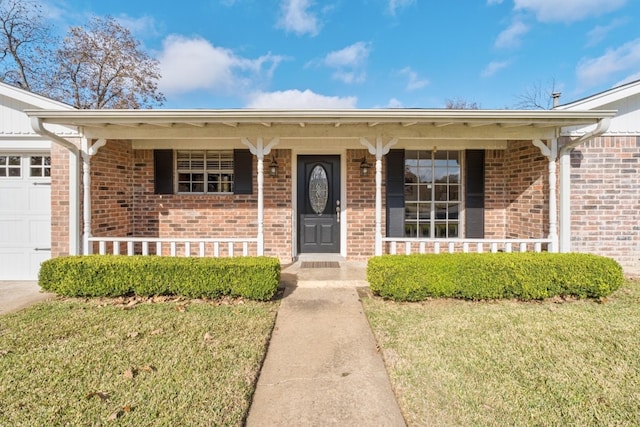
318	189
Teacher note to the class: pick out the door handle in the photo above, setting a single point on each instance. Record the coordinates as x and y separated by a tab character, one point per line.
338	211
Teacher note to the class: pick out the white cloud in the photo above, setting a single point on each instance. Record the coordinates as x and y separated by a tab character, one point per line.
395	103
414	82
296	18
599	32
299	99
510	37
493	67
142	26
348	63
593	71
189	64
567	10
394	5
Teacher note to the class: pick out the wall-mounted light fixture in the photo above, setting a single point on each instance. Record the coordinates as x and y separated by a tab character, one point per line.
364	167
273	167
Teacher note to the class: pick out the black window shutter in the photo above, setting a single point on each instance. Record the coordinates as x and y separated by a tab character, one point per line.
474	202
163	171
395	193
242	172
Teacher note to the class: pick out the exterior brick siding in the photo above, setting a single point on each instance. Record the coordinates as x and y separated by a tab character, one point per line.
605	199
516	192
124	203
361	201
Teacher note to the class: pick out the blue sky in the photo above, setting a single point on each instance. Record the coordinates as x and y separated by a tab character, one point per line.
374	53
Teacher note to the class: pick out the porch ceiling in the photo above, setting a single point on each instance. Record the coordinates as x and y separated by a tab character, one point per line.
409	124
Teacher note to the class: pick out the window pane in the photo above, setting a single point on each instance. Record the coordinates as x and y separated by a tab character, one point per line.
3	160
14	171
424	211
432	193
36	172
454	193
205	171
14	160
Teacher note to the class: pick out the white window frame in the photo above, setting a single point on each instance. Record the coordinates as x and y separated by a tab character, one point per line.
215	166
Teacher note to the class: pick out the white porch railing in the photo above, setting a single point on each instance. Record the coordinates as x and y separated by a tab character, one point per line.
409	246
213	247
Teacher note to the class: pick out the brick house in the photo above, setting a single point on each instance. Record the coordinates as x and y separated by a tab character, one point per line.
287	183
605	179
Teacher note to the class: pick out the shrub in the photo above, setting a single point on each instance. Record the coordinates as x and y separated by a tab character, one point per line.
117	275
525	276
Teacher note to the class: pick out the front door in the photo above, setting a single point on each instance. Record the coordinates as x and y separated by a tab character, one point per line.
319	204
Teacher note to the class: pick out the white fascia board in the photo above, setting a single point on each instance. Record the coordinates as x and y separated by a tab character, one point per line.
603	98
33	99
124	117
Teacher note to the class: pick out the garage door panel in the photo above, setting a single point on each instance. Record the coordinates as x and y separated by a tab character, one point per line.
25	217
13	231
12	200
39	232
14	264
39	198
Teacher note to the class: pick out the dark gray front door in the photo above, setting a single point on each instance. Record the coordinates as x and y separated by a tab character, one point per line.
319	204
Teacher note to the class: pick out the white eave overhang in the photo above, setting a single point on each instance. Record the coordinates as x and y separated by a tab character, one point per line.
319	124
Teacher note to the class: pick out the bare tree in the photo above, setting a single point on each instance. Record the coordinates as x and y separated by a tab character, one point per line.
537	96
461	104
102	66
25	46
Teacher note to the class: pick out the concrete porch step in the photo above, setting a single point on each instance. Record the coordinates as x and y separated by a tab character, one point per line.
324	272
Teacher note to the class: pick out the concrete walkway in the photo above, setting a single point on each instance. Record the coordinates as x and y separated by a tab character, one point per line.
16	295
322	367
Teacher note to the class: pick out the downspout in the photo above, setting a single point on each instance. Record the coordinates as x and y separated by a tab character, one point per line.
74	174
565	180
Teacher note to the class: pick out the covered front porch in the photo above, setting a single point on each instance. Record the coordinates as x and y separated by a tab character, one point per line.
356	183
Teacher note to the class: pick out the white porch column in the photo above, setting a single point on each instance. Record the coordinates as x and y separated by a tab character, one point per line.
379	150
551	152
87	151
259	150
565	201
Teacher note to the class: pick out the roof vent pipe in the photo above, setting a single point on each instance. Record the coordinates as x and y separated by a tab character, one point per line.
556	98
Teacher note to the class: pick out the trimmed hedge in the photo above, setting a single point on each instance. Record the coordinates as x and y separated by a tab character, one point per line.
118	275
524	276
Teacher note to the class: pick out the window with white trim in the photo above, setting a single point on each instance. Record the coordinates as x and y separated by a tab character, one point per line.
10	166
204	171
432	194
39	166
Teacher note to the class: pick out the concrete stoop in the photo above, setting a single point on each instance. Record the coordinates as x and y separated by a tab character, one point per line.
324	272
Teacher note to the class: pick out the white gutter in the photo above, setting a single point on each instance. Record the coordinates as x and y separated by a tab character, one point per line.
74	178
565	180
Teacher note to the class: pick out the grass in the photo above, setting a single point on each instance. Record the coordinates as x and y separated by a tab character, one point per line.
72	362
501	363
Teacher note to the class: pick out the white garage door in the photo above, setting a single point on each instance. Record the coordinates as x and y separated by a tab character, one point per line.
25	214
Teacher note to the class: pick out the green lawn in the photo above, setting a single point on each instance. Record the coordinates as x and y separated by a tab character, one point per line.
169	363
458	363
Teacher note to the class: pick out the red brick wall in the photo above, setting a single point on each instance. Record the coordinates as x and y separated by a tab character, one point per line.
496	195
59	201
361	202
112	190
516	192
278	223
124	204
605	199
